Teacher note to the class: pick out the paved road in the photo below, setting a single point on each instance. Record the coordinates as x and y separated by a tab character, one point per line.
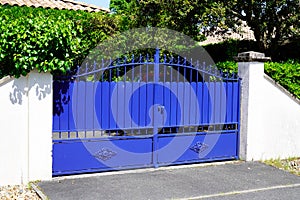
242	180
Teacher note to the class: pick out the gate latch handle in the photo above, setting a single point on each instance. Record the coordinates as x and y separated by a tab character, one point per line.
161	109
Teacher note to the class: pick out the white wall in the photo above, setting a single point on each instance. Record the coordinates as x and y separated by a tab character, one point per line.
270	123
270	117
14	129
281	114
25	128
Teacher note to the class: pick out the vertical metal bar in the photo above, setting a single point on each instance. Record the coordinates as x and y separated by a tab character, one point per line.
139	97
117	90
146	87
100	108
238	113
183	99
155	128
85	110
156	66
165	62
178	62
184	70
124	107
59	123
191	70
190	99
199	106
232	103
141	78
226	106
95	82
177	104
118	72
197	103
147	68
77	113
171	74
125	69
132	69
215	99
102	74
68	93
110	76
132	81
202	106
197	72
222	113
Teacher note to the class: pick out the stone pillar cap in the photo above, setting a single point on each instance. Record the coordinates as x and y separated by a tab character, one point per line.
250	56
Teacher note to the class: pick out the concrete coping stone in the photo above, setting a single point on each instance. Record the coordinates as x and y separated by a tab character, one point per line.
251	56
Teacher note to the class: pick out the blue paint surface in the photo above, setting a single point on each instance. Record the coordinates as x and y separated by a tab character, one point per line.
105	125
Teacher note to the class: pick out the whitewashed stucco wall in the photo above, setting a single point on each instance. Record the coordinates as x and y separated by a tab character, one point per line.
25	128
281	122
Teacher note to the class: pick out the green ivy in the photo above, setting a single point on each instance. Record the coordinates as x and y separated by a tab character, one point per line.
48	40
286	74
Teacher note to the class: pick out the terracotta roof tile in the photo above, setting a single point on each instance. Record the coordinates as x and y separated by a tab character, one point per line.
55	4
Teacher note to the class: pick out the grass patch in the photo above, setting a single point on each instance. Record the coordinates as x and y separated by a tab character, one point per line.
291	165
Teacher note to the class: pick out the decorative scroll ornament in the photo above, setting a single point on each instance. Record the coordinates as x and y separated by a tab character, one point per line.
199	147
105	154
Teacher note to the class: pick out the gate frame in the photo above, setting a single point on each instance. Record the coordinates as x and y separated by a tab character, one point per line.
205	72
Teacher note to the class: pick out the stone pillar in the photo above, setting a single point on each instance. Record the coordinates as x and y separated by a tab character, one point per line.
251	71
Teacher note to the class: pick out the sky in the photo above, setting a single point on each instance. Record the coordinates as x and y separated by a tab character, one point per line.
101	3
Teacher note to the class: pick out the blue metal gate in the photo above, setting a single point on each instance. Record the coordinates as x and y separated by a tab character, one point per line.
147	111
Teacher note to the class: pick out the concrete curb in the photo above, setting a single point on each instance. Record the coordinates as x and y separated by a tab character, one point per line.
39	192
137	171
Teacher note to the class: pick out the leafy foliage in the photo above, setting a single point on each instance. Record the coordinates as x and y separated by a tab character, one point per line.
273	22
47	39
119	6
228	66
225	51
189	17
286	74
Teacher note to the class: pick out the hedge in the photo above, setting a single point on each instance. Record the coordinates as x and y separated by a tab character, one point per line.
225	51
48	39
286	73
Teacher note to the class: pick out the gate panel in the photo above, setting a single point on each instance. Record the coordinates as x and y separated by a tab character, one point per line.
78	156
214	146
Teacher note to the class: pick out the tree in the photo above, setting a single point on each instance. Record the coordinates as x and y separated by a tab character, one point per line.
119	6
273	22
188	17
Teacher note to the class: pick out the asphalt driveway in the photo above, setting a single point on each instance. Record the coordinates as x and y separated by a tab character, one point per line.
234	180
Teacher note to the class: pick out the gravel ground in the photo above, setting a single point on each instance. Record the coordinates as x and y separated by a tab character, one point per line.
20	192
25	192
